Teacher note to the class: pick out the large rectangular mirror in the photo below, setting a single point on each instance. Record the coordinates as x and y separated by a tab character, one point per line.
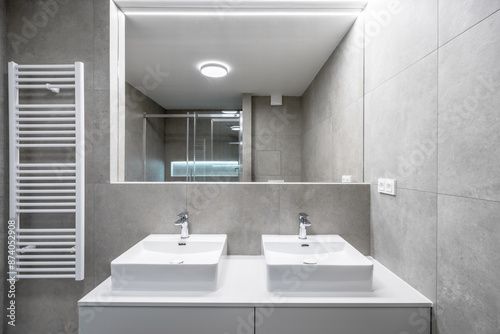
237	91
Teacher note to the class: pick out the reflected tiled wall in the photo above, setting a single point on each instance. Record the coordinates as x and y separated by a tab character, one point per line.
276	139
136	104
432	122
332	112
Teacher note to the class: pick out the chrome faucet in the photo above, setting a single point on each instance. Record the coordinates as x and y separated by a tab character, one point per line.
303	223
183	223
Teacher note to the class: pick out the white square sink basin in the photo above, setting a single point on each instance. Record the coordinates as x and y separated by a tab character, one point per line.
319	263
165	262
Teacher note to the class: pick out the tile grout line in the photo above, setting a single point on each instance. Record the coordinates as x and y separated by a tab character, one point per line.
401	71
450	195
466	30
470	198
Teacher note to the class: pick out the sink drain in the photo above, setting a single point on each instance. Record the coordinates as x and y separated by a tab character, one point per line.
310	260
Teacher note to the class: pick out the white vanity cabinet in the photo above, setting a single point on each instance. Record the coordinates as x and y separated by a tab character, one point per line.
165	320
249	320
358	320
242	304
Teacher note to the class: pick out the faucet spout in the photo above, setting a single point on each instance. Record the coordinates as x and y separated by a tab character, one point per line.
183	223
303	224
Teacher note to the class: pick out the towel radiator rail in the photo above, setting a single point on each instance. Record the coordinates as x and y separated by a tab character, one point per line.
50	191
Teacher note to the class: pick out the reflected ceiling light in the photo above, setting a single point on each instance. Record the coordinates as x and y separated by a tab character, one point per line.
229	111
236	128
240	12
213	70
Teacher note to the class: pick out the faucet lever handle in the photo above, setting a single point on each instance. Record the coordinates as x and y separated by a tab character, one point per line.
303	219
183	214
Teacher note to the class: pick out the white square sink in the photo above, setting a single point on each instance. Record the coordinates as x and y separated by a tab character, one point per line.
165	262
319	263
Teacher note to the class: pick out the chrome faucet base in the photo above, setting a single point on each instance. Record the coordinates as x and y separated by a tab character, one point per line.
183	223
303	224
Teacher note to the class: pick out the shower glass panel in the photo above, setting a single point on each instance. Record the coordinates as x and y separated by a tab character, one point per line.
201	146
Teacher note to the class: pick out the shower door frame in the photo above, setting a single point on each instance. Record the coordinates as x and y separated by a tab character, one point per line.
194	115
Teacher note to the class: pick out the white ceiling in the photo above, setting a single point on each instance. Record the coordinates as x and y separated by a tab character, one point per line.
266	54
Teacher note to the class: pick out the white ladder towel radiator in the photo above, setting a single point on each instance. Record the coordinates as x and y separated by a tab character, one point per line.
47	169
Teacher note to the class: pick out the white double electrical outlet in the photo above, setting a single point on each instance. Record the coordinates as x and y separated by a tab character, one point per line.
387	186
346	178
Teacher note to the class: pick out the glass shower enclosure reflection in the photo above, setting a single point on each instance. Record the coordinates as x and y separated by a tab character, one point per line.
200	146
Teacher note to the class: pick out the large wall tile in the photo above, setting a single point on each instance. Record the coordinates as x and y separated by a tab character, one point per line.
397	34
101	45
403	129
367	143
307	155
348	57
89	136
276	138
268	163
456	16
156	140
49	305
89	230
317	158
317	100
347	136
62	33
404	236
469	118
124	214
278	120
291	157
242	211
333	209
468	270
100	135
339	82
265	142
337	85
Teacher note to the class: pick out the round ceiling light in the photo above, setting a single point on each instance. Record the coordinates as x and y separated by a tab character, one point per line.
214	70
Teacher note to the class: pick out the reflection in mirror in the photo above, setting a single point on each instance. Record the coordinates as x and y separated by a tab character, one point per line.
181	145
300	70
201	145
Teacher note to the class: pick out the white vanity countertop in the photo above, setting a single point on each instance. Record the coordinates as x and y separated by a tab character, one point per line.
243	284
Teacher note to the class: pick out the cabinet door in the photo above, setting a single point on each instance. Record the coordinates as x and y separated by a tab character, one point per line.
342	320
166	320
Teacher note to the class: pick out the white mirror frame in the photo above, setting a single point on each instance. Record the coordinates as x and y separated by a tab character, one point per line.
117	93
